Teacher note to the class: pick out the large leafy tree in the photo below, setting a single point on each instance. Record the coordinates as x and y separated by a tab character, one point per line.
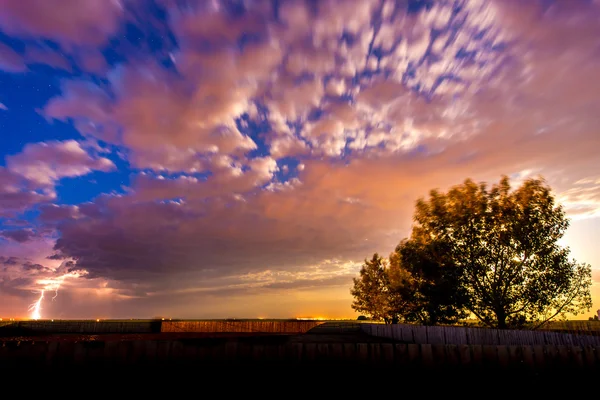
504	245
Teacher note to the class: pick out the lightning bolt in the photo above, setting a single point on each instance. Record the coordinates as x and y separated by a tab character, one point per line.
52	284
36	307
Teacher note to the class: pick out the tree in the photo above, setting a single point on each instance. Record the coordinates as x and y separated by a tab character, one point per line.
503	244
371	291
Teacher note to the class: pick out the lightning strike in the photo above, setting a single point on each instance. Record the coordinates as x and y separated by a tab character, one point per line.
36	307
51	284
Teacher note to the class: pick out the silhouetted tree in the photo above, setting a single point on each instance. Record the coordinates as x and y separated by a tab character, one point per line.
501	249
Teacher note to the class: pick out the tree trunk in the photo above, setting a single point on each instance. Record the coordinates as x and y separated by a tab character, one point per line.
432	320
501	317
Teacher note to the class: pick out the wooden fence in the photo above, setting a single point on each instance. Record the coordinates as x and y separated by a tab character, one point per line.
476	336
197	353
239	326
577	327
82	326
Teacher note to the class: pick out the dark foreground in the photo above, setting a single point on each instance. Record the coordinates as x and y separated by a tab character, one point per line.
323	354
332	357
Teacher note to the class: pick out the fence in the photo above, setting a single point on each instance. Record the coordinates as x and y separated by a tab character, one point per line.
578	327
197	353
476	336
83	326
239	326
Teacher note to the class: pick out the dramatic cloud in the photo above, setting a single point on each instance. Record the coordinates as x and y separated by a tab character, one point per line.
264	147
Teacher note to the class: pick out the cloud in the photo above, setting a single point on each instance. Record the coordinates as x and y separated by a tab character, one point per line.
46	162
53	213
46	56
582	200
411	119
228	177
92	60
76	22
18	275
30	176
17	194
294	70
3	107
10	60
18	235
31	54
87	106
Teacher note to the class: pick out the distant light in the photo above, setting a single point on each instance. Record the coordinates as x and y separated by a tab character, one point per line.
52	320
98	320
163	319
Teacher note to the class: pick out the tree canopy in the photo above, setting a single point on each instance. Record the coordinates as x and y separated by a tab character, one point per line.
489	252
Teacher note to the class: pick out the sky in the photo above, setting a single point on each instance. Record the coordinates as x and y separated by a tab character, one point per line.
241	158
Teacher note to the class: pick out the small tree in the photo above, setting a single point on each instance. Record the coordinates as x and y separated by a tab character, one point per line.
371	291
504	245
